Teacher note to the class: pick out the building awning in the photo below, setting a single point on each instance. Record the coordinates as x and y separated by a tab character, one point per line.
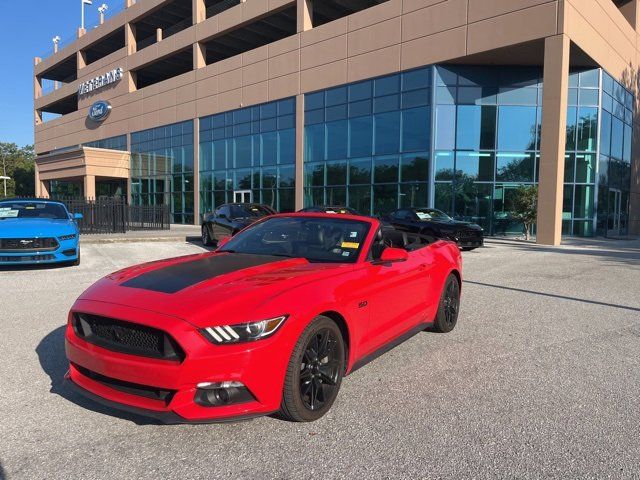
82	162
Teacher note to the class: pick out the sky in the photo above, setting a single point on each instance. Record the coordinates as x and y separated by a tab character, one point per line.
26	30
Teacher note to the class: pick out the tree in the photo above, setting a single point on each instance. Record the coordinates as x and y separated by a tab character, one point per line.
525	206
18	164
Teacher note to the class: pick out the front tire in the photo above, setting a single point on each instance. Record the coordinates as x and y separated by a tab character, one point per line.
206	238
449	305
314	373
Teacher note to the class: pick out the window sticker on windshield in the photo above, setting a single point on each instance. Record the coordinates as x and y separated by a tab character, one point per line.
423	216
350	245
8	213
330	211
346	254
353	234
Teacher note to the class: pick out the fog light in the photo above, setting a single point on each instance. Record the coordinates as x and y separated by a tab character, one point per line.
218	394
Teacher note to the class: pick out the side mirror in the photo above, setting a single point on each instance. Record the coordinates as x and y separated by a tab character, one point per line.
222	242
391	254
77	216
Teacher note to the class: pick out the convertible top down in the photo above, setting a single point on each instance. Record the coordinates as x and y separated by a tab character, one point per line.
270	321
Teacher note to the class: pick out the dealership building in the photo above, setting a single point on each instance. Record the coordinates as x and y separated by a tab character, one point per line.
374	104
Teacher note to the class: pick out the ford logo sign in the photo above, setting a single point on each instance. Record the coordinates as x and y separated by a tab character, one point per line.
99	111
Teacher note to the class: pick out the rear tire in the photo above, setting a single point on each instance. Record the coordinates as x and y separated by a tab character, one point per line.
314	373
467	249
449	306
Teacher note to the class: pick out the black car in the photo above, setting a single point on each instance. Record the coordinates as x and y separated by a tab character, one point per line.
330	209
433	222
230	218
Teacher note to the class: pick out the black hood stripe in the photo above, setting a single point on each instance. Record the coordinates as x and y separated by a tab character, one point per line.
174	278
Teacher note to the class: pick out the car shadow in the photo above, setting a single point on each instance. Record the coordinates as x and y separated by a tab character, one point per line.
54	362
2	475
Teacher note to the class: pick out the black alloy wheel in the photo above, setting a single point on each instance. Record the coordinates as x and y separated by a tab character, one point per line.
315	372
447	315
206	239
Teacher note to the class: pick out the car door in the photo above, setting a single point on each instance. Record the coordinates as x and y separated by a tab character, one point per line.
220	221
397	296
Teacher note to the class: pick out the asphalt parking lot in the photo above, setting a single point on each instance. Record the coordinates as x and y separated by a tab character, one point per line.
541	378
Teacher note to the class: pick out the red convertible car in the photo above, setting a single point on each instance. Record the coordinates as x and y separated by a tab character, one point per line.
269	322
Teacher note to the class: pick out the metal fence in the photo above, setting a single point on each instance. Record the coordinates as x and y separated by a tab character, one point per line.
114	215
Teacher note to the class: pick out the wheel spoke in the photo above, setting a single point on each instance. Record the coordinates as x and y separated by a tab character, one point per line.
326	379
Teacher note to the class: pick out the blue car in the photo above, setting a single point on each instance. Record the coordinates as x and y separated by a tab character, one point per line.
38	232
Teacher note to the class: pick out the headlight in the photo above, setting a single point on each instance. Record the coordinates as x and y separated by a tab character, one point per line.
243	332
68	237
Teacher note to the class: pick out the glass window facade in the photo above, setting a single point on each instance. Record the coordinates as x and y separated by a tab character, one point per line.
367	144
578	209
249	149
112	143
162	169
614	162
463	139
496	116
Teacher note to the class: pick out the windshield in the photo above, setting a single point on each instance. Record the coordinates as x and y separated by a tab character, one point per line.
431	214
33	210
248	211
316	239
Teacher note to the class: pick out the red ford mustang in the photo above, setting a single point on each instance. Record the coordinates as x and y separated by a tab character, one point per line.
269	322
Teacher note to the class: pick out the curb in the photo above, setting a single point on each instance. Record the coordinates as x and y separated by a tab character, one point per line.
98	241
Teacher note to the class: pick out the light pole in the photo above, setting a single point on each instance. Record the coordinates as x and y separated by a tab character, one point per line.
55	41
101	9
5	178
84	2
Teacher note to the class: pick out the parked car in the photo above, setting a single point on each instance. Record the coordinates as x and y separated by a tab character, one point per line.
230	218
38	231
330	209
430	221
270	321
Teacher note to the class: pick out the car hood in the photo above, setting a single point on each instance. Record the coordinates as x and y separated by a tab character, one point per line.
36	227
210	289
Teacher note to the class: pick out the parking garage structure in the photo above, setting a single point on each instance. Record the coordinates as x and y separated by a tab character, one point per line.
374	104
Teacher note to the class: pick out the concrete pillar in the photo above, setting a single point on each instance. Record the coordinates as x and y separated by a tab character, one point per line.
37	92
554	125
81	32
130	38
89	186
631	11
82	59
158	34
199	55
199	10
131	81
299	152
634	198
41	190
196	171
305	15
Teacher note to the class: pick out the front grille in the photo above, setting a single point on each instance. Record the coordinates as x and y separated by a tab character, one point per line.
471	234
27	244
163	395
29	258
126	337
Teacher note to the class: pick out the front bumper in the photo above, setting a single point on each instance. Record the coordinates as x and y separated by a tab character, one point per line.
260	366
470	242
67	251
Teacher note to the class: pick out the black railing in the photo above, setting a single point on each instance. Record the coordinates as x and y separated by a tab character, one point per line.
114	215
